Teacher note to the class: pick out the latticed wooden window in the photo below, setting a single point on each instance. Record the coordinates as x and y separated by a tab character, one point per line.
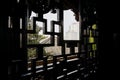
53	39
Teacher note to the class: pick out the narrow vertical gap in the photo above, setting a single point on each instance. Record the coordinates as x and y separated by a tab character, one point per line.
20	23
20	40
9	22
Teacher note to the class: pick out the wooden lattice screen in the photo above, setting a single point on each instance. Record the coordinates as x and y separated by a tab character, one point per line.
80	65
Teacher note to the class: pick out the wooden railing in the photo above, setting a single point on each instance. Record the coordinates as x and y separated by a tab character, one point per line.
70	67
